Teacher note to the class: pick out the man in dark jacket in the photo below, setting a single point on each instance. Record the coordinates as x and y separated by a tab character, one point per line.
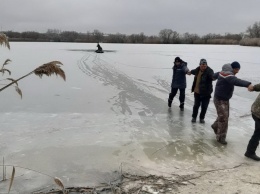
223	92
180	70
202	88
254	141
99	47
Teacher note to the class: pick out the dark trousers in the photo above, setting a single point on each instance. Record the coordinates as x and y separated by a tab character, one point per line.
174	92
254	141
200	101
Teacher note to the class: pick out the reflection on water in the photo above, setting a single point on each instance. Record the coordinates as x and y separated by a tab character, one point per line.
186	141
182	150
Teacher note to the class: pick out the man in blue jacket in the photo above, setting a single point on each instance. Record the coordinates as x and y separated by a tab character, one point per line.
223	92
180	70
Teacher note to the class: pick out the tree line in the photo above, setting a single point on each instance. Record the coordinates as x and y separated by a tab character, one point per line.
166	36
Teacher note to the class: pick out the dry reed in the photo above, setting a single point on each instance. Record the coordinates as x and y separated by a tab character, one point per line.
19	91
4	40
3	70
59	183
12	179
49	69
56	179
45	69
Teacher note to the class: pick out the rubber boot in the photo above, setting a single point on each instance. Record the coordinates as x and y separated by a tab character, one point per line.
169	103
252	156
170	100
182	106
251	148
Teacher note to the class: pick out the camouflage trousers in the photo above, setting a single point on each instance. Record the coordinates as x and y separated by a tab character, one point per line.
220	126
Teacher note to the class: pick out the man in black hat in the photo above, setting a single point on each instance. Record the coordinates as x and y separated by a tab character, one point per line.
180	70
202	88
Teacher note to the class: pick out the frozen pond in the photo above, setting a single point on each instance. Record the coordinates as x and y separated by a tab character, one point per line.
112	110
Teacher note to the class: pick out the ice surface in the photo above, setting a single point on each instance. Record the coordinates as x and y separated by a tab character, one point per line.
112	109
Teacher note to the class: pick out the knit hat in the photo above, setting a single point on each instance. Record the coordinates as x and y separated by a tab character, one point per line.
177	59
203	61
227	69
235	65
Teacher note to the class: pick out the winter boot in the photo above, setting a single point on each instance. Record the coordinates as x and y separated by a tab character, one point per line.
169	103
251	148
170	100
202	121
213	127
252	156
222	141
182	106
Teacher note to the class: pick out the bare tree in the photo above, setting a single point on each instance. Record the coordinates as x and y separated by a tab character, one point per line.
68	36
117	38
175	37
190	38
152	40
53	35
98	35
254	31
137	38
30	35
166	35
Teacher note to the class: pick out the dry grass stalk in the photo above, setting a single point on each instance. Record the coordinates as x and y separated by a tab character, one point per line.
45	69
49	69
11	79
59	183
6	63
12	179
15	81
4	40
56	179
19	91
3	169
4	70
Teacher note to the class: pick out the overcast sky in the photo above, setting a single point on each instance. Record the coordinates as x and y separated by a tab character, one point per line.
130	16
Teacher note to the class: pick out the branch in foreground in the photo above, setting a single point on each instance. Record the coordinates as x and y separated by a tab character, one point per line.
253	183
45	69
221	168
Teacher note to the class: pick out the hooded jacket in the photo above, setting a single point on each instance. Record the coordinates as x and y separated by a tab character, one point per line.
179	75
226	81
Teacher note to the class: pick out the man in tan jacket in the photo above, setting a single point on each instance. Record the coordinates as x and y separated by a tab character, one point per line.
254	141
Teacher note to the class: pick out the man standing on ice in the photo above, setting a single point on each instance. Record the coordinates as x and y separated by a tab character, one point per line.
180	70
254	141
223	92
202	88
